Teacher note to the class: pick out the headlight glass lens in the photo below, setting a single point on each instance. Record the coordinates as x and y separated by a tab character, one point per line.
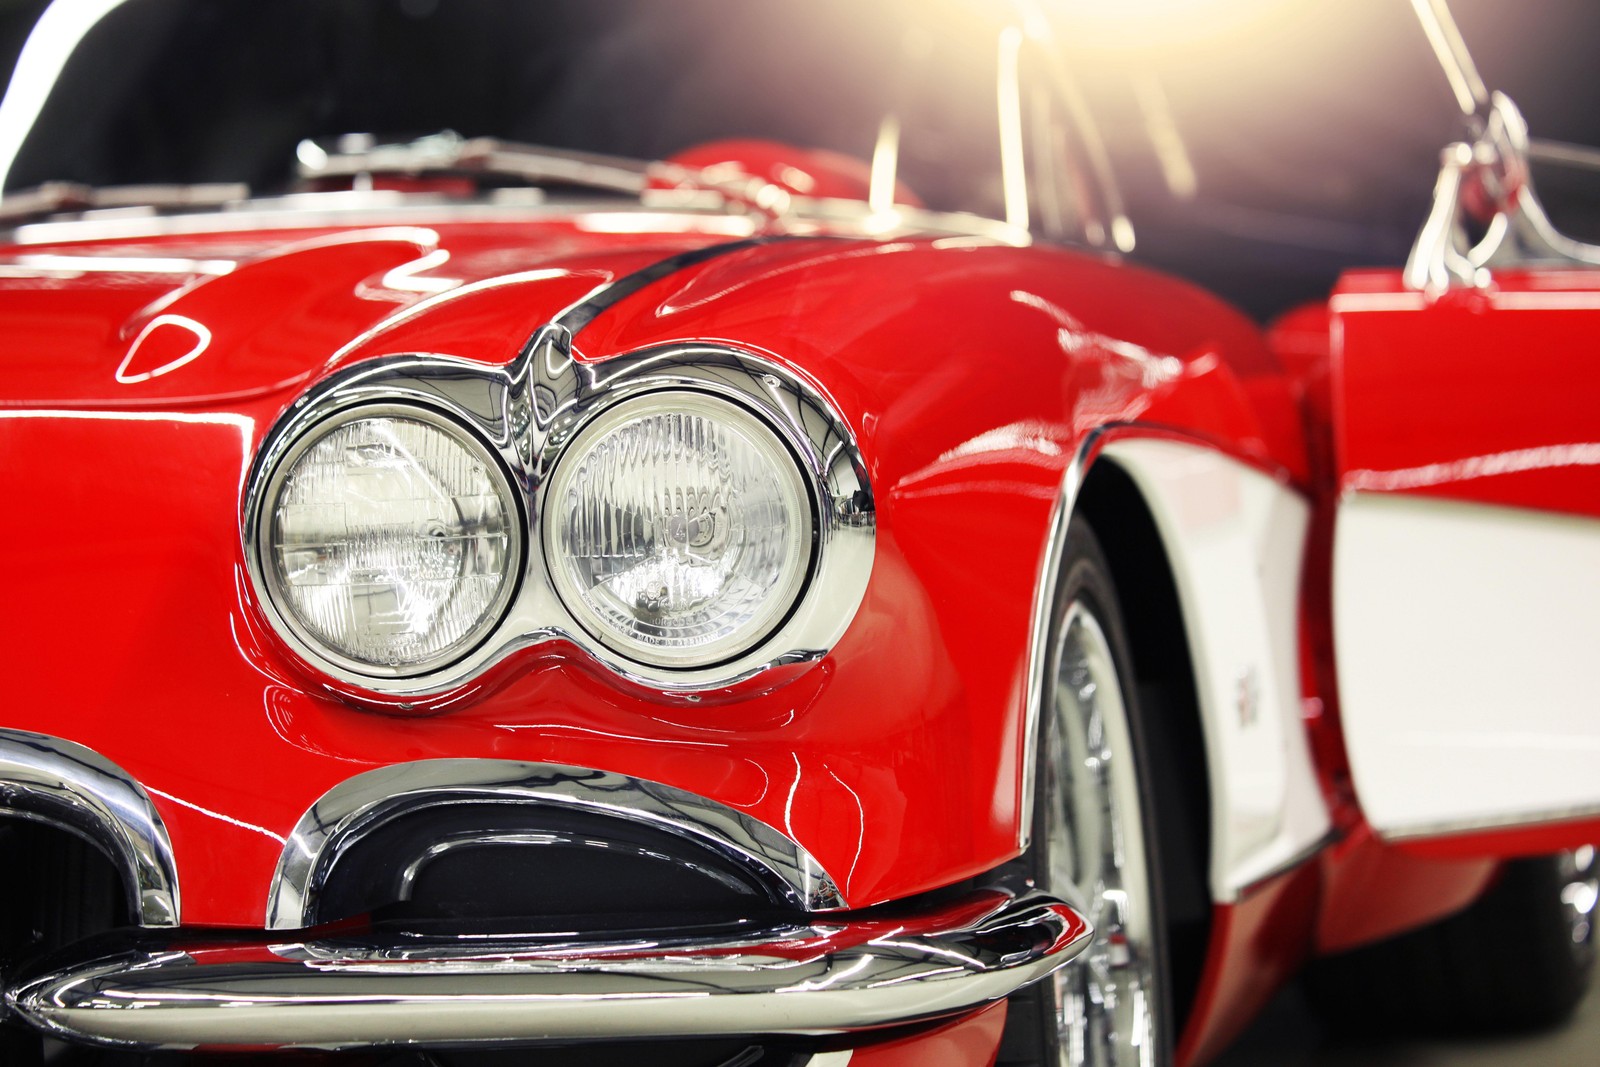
678	529
392	541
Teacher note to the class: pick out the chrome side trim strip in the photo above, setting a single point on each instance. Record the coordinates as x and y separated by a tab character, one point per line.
1487	824
354	808
1290	865
1044	592
46	779
813	977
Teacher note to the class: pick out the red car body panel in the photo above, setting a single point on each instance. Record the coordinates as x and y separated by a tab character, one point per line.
1256	946
234	739
1492	365
1471	395
1371	890
898	780
967	1042
1359	890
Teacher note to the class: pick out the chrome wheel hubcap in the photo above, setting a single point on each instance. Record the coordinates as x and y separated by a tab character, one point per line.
1580	892
1095	854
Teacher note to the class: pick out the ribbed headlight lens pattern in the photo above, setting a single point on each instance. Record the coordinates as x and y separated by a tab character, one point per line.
678	529
392	539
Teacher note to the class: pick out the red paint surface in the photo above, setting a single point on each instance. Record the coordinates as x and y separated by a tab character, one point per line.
971	1041
1371	890
1257	945
1301	341
1356	891
1483	395
1509	842
289	300
970	374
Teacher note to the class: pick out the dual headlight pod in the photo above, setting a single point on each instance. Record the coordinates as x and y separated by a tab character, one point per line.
679	530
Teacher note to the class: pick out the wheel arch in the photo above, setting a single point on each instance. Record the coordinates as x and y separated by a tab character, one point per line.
1232	536
1206	552
1168	712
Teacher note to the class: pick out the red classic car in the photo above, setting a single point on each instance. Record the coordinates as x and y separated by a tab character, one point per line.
810	598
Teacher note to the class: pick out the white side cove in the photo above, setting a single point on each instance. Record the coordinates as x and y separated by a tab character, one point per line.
1236	541
1468	647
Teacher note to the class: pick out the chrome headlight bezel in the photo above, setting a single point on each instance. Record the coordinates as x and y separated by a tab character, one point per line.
525	415
764	438
276	599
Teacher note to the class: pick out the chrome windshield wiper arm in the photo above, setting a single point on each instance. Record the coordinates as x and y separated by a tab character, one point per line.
449	152
53	197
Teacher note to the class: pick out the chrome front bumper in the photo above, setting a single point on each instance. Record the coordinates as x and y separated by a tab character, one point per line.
821	968
823	974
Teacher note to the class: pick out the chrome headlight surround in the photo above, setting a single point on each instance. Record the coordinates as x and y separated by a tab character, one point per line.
526	414
697	547
279	598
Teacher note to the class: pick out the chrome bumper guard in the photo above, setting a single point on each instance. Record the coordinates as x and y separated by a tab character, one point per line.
823	974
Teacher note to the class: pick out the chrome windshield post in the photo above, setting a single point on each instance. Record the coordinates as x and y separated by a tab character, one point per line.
1486	215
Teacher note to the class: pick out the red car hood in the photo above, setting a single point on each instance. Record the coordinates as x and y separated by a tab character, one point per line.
178	320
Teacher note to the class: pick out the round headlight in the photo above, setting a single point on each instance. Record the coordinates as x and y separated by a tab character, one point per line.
678	529
390	541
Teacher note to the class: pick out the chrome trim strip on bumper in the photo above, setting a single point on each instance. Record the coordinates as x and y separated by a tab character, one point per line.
355	807
46	779
821	974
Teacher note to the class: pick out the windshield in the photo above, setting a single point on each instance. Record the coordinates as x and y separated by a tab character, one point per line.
199	91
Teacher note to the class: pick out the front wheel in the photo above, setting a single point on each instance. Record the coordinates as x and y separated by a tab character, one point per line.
1091	840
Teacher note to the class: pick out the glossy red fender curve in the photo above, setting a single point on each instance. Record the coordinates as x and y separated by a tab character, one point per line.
971	373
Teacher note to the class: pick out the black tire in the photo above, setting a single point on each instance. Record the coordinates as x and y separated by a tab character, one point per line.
1033	1023
1519	959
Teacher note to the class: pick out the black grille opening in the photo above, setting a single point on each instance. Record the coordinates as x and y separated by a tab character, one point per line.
58	889
537	868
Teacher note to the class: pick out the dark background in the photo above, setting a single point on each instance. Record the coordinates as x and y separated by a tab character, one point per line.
1313	128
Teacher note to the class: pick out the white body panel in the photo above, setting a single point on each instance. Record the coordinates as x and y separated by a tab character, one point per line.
1236	541
1468	646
